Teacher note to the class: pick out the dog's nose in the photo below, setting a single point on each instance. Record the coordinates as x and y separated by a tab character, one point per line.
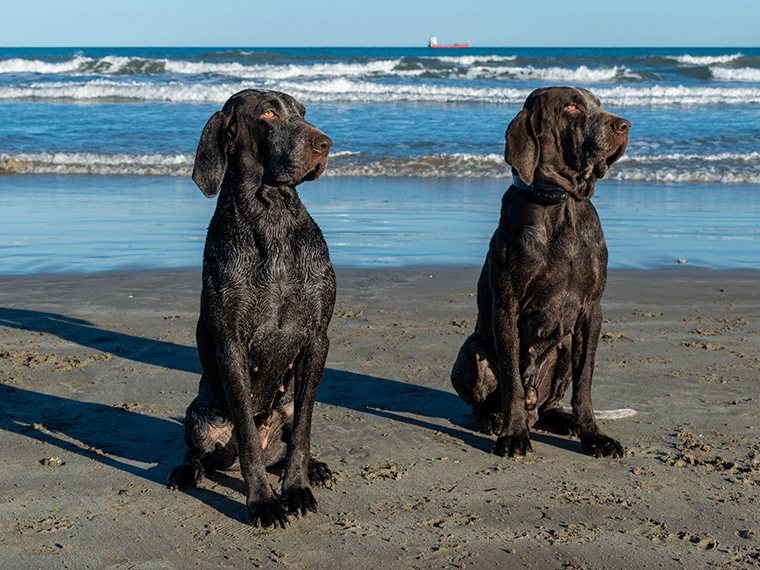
321	143
621	126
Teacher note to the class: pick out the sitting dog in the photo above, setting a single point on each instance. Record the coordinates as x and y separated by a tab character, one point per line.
267	298
539	292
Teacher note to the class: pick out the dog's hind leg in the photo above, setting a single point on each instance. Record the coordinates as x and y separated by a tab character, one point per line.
474	376
210	440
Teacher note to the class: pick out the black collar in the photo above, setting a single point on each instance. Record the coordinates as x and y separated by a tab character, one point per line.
542	192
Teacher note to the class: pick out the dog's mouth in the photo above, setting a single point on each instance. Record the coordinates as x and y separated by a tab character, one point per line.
307	172
615	156
600	168
318	169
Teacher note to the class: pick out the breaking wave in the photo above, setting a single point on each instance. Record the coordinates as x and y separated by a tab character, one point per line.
346	89
726	168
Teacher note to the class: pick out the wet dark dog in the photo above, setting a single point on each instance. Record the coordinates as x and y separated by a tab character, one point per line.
267	298
539	293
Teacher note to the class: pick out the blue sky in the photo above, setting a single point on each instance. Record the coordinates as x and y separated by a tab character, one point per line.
279	23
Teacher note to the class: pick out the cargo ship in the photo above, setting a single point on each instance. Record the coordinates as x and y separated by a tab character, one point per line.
433	43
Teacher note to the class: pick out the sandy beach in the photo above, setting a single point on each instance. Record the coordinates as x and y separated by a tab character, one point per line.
96	371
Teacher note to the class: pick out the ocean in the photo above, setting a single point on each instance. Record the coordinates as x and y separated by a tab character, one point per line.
98	145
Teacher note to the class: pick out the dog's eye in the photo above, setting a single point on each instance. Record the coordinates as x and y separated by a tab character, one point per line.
270	114
571	108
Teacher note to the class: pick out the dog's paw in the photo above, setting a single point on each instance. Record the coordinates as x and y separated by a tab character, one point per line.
186	476
511	445
265	513
600	445
299	501
320	474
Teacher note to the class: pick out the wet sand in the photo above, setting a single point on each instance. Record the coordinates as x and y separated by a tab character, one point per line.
96	371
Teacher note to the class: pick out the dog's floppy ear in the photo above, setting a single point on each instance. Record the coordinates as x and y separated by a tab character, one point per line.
522	148
211	156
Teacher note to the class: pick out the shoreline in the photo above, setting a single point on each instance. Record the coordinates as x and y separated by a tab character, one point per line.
97	371
673	270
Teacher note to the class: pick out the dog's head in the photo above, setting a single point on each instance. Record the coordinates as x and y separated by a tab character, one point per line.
563	137
261	137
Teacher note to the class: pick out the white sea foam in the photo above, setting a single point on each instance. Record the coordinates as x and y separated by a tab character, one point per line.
580	74
289	71
344	89
747	74
97	163
456	165
686	176
36	66
474	59
356	89
677	157
77	65
96	89
704	59
725	168
663	95
478	67
113	65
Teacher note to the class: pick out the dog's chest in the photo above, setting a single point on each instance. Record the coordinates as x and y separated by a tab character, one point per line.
565	275
280	325
284	306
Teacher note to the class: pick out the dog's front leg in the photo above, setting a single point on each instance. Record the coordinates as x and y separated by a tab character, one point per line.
296	492
514	438
595	442
262	505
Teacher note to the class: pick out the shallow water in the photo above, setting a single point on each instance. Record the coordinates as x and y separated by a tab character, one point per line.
80	223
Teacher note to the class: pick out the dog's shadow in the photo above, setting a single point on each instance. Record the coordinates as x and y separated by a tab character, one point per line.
81	332
110	435
422	407
149	447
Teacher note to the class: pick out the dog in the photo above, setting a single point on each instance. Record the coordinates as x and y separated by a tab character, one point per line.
267	297
540	288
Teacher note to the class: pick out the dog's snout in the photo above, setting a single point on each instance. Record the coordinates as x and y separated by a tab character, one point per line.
321	143
621	126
